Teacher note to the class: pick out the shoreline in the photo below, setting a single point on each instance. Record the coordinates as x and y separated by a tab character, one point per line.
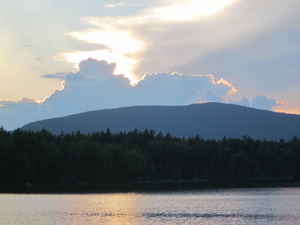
155	186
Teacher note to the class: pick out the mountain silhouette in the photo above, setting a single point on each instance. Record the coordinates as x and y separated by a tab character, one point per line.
208	120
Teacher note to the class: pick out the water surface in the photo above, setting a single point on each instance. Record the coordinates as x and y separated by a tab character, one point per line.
218	206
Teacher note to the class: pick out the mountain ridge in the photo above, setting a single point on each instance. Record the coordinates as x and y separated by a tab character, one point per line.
209	120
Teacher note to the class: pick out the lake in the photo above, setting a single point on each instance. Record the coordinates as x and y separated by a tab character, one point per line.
210	206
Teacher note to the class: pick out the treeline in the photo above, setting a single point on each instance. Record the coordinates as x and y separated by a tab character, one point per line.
140	156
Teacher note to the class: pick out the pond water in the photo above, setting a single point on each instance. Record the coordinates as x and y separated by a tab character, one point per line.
211	206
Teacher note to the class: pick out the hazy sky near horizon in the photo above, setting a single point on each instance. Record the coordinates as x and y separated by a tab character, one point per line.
63	57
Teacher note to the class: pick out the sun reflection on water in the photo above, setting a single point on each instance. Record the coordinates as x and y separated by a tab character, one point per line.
232	206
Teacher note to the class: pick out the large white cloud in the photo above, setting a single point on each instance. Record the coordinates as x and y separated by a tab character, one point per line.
95	86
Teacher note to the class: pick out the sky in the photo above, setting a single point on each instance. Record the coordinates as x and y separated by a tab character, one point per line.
64	57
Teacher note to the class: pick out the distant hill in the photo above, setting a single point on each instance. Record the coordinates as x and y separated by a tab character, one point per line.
209	120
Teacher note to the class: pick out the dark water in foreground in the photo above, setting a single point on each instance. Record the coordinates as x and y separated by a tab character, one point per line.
218	206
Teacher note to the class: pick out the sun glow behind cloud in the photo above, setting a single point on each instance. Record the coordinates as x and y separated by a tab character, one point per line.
122	46
283	107
119	46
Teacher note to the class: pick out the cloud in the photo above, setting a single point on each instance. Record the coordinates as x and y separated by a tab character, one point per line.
175	88
26	45
116	5
14	114
262	102
147	37
60	76
95	86
284	107
172	34
120	4
250	42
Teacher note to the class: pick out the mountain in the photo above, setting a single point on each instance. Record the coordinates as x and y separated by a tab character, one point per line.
209	120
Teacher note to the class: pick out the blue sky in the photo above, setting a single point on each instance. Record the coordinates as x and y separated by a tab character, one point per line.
65	57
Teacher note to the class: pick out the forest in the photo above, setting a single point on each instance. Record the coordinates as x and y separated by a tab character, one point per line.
98	159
